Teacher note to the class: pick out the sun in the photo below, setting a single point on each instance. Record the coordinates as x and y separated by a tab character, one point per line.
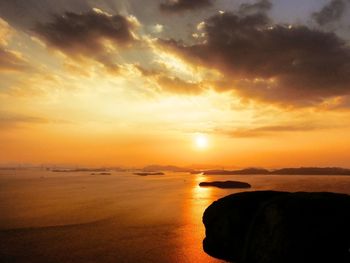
201	141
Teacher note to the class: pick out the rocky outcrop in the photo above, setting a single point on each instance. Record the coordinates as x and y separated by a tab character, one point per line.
227	222
225	184
279	227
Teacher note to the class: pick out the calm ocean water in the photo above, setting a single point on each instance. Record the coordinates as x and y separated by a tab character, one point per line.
79	217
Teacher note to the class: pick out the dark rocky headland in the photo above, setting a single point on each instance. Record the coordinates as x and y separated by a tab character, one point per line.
279	227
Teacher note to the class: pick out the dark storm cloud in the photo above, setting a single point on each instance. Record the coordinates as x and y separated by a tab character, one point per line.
260	6
270	62
184	5
84	33
24	13
331	12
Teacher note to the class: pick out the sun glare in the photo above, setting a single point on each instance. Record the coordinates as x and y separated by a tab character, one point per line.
201	141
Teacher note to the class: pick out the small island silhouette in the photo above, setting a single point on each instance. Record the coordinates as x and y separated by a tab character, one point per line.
225	185
148	173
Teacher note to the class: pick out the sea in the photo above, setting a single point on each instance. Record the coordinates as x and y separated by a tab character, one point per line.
59	217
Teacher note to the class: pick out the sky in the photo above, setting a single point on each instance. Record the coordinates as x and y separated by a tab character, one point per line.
129	83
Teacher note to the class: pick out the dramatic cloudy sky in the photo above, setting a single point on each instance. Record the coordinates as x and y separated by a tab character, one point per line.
130	82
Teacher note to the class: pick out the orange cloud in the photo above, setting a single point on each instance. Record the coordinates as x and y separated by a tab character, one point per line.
179	86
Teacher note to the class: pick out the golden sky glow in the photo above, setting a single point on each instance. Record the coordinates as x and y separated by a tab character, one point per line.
130	88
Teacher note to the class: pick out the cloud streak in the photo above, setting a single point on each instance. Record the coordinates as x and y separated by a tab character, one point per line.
168	83
264	131
11	120
9	60
12	61
179	86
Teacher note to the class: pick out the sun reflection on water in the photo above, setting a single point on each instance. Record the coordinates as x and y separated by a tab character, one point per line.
202	197
199	198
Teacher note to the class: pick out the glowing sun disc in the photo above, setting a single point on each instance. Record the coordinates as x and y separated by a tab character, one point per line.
201	141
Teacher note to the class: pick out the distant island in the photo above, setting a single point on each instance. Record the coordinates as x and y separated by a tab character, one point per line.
166	168
92	170
79	170
282	171
148	173
225	185
162	169
237	172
